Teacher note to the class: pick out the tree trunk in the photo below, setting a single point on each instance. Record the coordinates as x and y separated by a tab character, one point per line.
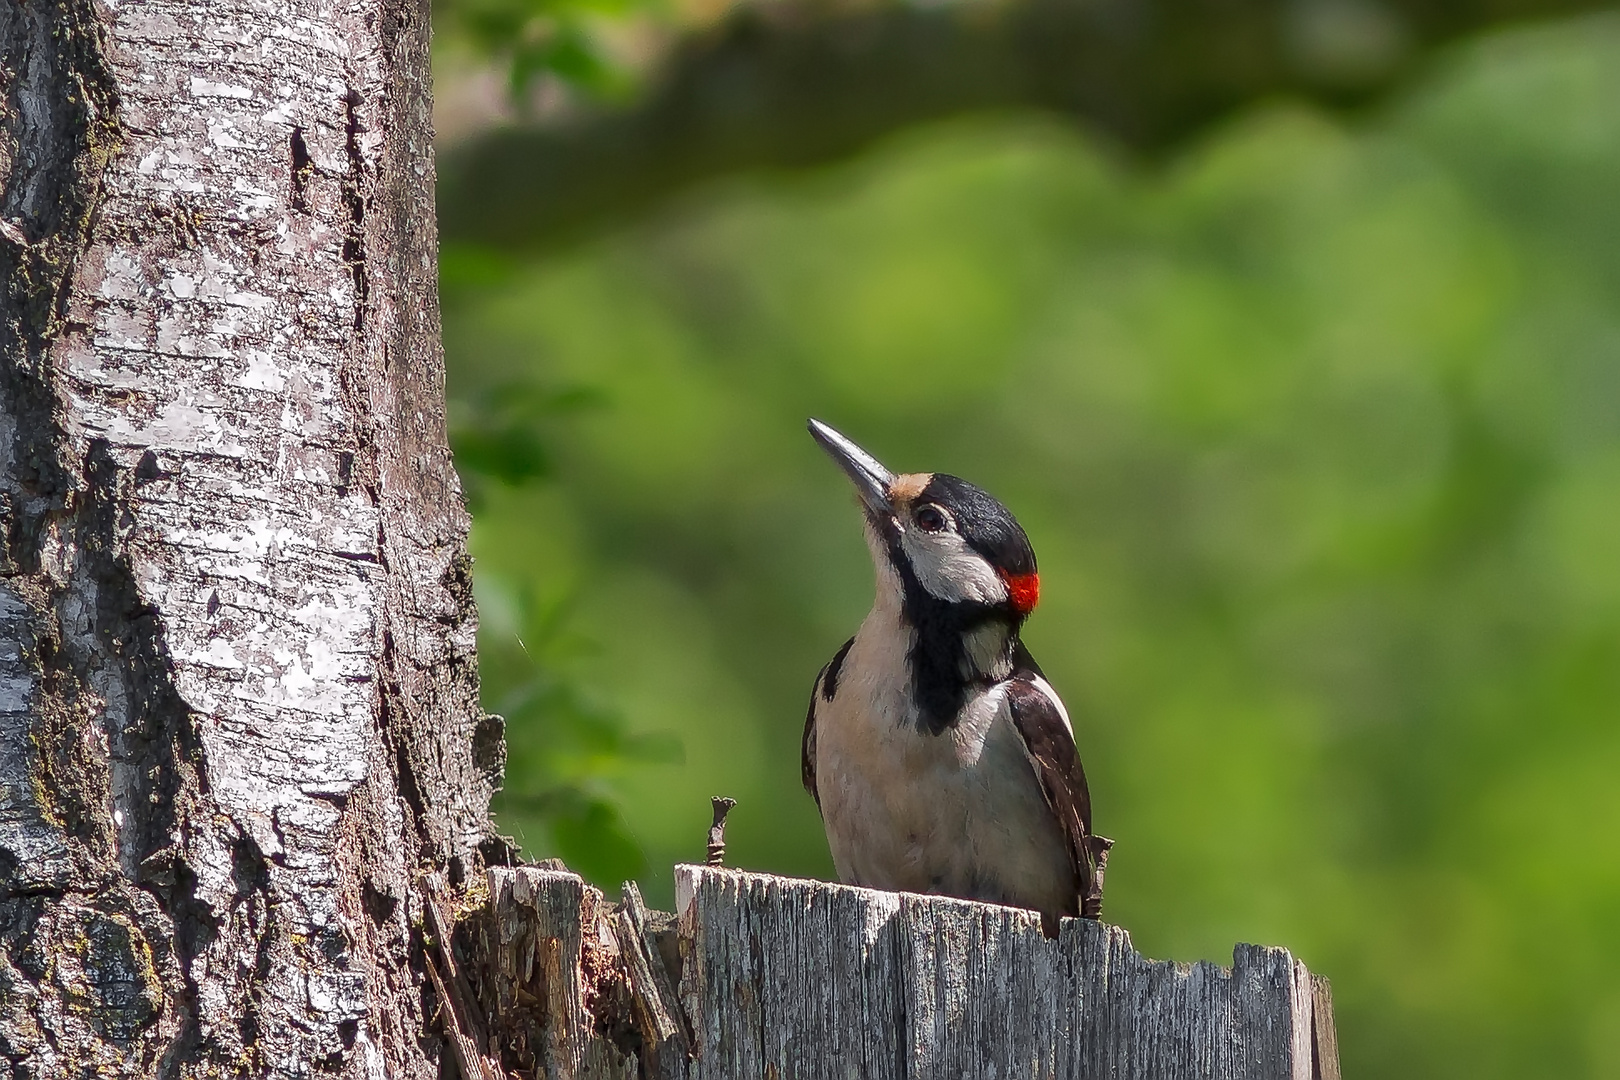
238	700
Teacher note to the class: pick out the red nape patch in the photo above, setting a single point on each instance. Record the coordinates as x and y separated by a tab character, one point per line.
1024	590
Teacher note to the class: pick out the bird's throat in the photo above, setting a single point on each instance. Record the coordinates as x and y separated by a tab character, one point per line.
956	648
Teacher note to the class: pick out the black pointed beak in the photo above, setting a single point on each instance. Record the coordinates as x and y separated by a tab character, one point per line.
871	479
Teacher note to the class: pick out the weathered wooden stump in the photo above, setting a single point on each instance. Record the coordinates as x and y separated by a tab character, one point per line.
767	977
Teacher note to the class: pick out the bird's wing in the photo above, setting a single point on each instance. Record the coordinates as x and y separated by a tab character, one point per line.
1043	725
808	764
825	686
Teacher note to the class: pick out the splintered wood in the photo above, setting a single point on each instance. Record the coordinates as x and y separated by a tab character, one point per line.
769	977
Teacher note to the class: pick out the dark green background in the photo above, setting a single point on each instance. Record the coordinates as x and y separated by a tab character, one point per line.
1316	431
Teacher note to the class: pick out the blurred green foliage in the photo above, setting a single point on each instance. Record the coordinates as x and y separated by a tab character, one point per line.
571	41
1316	432
495	432
571	747
531	38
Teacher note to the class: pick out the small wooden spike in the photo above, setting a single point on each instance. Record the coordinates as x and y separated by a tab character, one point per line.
717	831
1324	1035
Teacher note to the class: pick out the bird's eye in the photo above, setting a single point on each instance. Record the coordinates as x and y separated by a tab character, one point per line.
930	519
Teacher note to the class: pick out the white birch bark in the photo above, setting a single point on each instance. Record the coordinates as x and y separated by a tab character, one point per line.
238	701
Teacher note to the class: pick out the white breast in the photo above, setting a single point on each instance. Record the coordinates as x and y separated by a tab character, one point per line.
959	813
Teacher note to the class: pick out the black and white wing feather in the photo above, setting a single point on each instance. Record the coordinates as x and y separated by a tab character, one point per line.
1043	725
823	689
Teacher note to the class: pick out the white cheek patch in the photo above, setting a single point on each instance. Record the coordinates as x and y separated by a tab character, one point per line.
950	570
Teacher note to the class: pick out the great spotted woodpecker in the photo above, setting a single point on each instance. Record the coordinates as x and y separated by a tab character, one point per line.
940	757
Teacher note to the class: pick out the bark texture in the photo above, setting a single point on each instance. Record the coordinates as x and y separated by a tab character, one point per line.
238	701
800	979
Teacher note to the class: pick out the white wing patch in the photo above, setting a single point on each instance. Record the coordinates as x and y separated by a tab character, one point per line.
1051	695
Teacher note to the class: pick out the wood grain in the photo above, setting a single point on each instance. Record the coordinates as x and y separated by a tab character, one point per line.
786	978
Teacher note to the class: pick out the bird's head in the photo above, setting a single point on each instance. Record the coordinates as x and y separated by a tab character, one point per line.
939	534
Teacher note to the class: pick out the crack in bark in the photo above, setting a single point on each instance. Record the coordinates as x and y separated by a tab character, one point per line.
409	789
157	745
59	130
354	242
57	134
302	166
157	766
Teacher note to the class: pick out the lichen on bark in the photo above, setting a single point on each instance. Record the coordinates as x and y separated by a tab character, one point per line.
238	697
